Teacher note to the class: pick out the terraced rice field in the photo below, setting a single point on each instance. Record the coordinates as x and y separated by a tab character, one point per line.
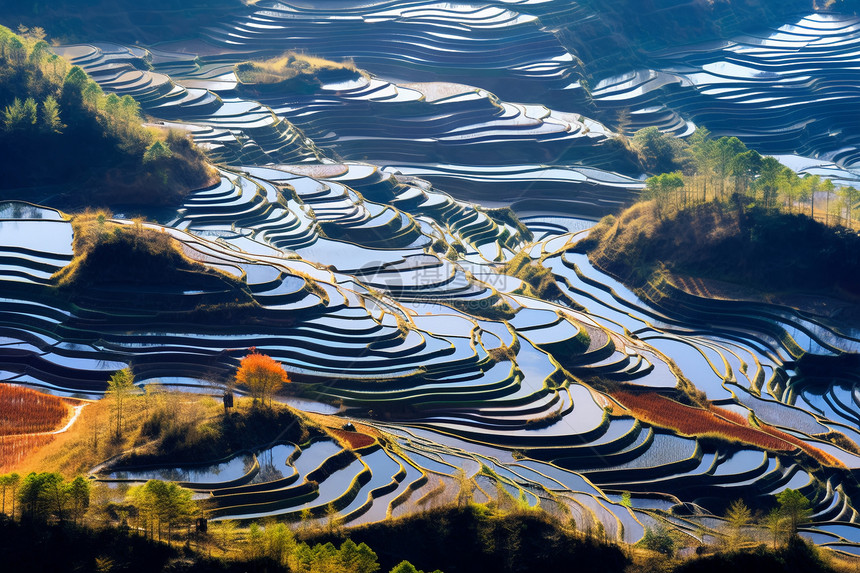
764	87
382	292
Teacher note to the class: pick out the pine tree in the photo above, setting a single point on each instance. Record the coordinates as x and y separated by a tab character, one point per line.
794	507
738	516
51	122
14	116
120	387
78	493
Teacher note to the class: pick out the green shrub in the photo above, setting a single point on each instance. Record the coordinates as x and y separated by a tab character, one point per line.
659	539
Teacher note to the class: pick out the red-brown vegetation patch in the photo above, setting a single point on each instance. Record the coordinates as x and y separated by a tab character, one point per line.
819	455
362	437
716	422
13	449
26	411
356	440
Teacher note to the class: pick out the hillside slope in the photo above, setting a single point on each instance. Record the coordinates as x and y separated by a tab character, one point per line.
750	246
98	152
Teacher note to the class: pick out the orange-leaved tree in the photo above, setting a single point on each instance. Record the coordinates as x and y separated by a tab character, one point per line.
262	374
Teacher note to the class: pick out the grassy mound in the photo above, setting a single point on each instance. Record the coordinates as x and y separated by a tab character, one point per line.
797	557
164	438
750	246
108	253
128	260
538	281
293	71
166	427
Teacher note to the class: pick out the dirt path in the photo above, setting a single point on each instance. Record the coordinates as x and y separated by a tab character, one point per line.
78	409
65	428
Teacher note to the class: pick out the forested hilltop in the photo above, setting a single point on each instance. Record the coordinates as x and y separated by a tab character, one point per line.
66	143
718	210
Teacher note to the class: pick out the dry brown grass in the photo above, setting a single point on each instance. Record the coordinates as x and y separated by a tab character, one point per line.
770	251
93	229
26	419
841	562
353	440
90	442
111	255
502	353
822	457
161	426
78	449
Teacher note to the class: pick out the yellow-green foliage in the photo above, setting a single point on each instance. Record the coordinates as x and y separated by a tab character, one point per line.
286	67
116	256
625	234
742	243
28	63
95	232
100	153
538	280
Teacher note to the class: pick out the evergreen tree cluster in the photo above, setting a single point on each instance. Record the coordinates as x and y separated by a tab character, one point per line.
704	169
57	127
